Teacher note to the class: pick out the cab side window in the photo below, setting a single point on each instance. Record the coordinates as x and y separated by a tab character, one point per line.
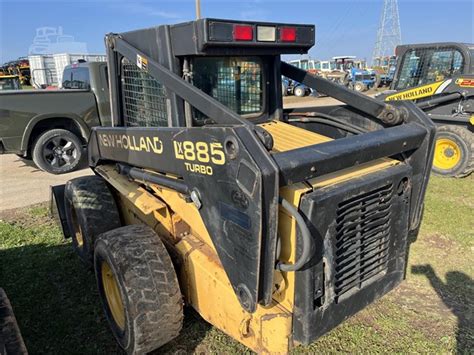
444	64
427	65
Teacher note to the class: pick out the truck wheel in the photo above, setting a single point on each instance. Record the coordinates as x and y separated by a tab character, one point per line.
57	151
299	91
138	287
360	87
454	151
90	211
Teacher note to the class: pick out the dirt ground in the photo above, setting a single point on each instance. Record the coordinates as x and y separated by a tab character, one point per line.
23	184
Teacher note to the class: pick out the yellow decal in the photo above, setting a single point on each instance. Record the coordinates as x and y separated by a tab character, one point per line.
142	62
124	141
465	82
416	93
199	152
471	120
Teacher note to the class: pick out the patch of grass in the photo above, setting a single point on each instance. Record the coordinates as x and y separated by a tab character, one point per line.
449	207
58	308
54	298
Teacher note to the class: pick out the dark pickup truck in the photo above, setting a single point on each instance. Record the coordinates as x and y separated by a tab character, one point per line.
52	126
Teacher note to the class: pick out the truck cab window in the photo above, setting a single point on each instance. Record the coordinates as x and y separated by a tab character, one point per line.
76	78
236	82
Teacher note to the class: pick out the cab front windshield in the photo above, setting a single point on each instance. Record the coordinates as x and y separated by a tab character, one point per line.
236	82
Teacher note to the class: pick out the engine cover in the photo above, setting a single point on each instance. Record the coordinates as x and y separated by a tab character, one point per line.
359	230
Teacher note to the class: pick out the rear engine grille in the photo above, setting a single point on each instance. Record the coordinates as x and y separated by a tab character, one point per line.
362	240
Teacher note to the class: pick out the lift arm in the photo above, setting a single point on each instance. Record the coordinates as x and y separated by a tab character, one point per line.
387	113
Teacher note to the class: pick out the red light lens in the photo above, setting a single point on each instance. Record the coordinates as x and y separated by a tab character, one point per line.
288	34
243	33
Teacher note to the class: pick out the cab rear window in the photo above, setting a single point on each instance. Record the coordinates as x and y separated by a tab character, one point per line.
76	78
236	82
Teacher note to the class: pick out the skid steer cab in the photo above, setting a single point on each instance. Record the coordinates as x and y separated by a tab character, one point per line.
275	225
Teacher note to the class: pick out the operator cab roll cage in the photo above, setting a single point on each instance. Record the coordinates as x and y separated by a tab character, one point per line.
246	238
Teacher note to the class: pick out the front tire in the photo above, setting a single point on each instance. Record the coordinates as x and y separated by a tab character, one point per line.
360	87
454	151
299	91
138	287
57	151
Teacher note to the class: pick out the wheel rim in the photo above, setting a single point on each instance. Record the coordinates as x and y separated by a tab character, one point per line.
60	152
447	154
112	295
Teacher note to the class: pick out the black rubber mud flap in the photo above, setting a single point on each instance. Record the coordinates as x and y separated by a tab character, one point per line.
57	208
11	341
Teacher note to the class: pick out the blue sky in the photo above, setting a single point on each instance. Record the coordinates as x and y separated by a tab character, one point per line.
342	27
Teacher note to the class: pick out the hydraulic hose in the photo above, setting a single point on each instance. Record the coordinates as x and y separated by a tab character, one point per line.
305	239
318	117
325	121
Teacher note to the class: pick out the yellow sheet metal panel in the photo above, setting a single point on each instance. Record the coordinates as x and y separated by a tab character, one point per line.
188	213
288	137
352	172
139	196
147	203
208	290
284	289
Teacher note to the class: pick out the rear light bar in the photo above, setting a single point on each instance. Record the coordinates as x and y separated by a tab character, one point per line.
255	34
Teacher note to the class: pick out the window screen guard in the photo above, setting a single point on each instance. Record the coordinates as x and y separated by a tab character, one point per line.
144	98
236	82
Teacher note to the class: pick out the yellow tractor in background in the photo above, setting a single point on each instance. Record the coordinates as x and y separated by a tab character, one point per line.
274	224
10	82
20	68
439	77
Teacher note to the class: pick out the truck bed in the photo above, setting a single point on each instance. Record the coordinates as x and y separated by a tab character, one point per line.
20	110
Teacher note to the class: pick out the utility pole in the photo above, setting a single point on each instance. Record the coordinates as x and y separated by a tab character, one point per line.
388	34
198	9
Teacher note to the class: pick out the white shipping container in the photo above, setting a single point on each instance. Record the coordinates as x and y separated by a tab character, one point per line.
47	69
42	70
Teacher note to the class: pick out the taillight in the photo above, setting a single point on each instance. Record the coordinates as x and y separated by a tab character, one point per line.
243	33
287	34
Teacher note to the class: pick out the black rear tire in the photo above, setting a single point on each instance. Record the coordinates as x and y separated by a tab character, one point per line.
135	258
90	210
57	151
